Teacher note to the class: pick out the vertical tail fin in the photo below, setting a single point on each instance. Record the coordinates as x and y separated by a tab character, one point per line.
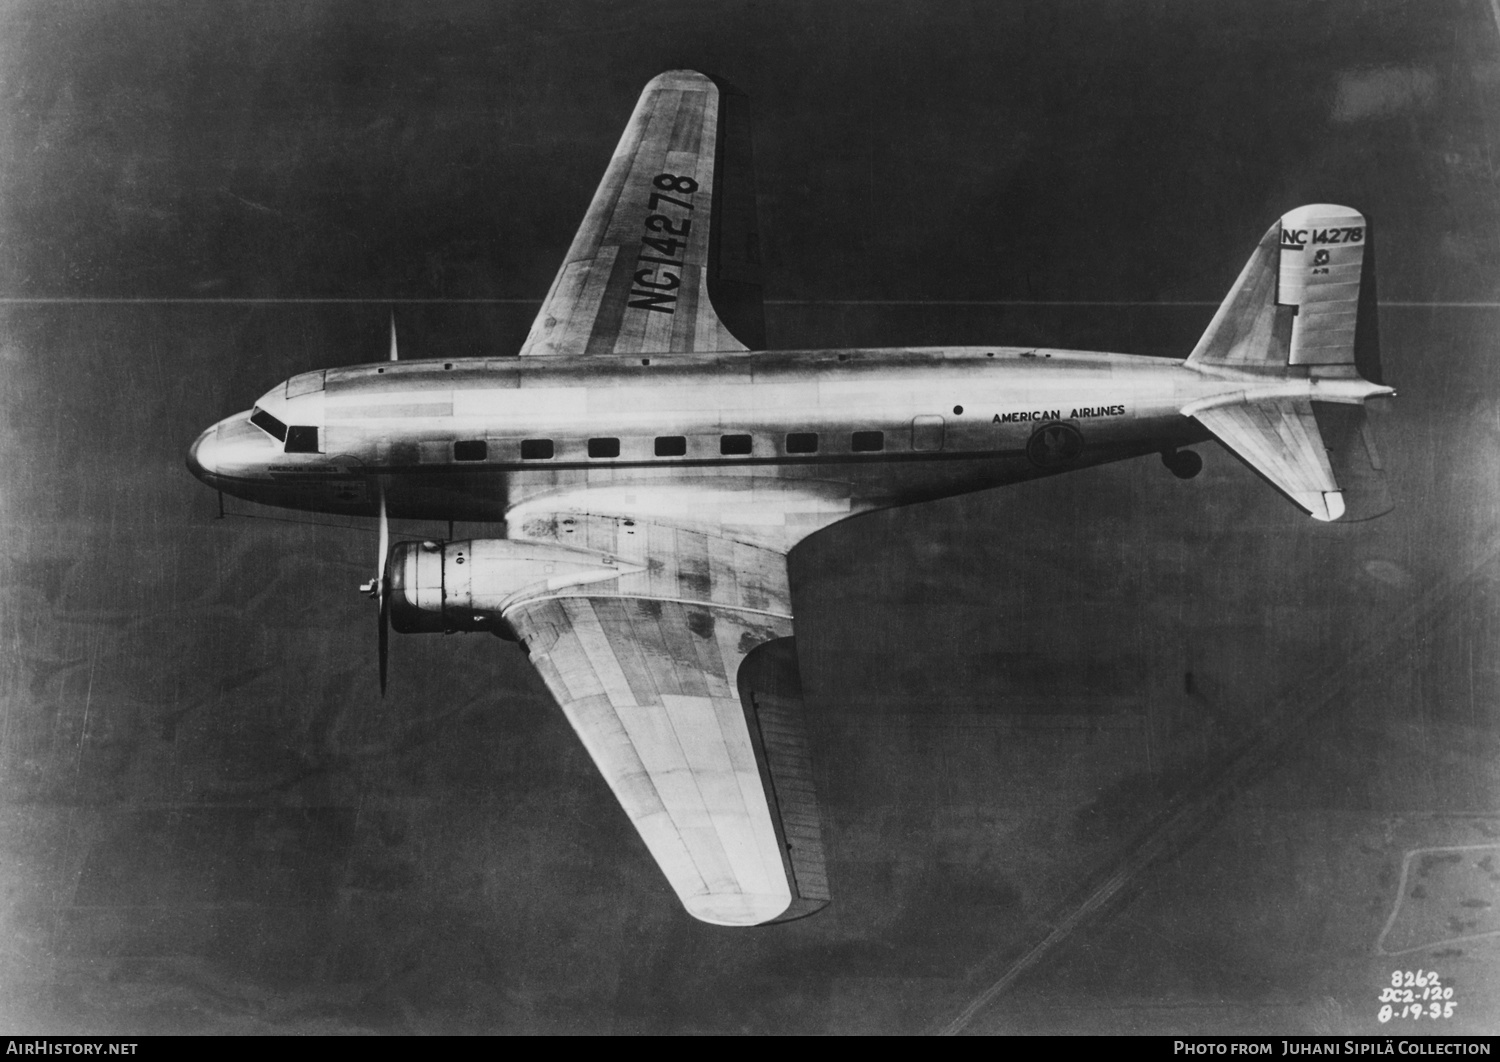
1298	300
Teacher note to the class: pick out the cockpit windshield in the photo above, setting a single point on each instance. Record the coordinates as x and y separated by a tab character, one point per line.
268	424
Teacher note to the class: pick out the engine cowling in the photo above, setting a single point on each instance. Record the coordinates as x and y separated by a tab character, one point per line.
444	587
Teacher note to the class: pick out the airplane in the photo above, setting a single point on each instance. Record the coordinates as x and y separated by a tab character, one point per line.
652	465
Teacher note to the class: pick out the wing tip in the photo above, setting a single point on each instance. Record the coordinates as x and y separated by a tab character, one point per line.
683	78
694	79
1325	506
737	909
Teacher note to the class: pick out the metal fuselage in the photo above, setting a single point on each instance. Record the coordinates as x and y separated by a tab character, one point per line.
796	439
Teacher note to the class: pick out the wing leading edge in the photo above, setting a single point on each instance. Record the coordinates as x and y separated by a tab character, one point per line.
668	257
681	682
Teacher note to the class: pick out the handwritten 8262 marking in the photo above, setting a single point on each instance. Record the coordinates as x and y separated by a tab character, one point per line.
666	238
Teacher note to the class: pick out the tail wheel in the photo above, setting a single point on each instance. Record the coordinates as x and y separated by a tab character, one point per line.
1184	464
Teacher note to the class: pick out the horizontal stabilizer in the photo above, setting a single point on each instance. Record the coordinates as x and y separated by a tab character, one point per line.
1279	438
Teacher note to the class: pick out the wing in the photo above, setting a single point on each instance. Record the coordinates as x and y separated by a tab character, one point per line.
668	257
681	681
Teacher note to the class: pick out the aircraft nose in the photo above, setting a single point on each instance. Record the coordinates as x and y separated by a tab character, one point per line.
232	449
201	460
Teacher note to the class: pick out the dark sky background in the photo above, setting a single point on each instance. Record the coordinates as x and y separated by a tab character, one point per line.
1269	745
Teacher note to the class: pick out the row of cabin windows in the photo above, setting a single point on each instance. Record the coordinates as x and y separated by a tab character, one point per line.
303	439
797	442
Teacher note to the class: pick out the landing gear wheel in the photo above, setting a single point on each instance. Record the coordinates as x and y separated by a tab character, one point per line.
1184	464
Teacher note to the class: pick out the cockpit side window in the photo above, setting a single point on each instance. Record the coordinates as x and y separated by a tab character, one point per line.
302	439
268	424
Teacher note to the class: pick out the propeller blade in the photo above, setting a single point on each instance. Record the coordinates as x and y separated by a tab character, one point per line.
382	597
385	638
385	543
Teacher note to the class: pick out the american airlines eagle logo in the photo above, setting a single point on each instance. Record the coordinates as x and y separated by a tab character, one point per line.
1054	445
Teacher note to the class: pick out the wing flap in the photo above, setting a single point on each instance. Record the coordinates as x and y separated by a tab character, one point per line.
771	689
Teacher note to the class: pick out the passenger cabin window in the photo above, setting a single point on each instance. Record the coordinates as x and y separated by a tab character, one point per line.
864	442
536	449
671	445
802	442
604	447
302	439
734	444
268	424
470	450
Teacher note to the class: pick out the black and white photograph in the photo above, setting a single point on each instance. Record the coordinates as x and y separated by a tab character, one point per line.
752	517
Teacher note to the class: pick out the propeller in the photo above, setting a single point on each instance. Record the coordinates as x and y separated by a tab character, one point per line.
377	587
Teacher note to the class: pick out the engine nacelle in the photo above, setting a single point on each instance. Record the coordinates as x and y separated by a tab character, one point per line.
442	587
